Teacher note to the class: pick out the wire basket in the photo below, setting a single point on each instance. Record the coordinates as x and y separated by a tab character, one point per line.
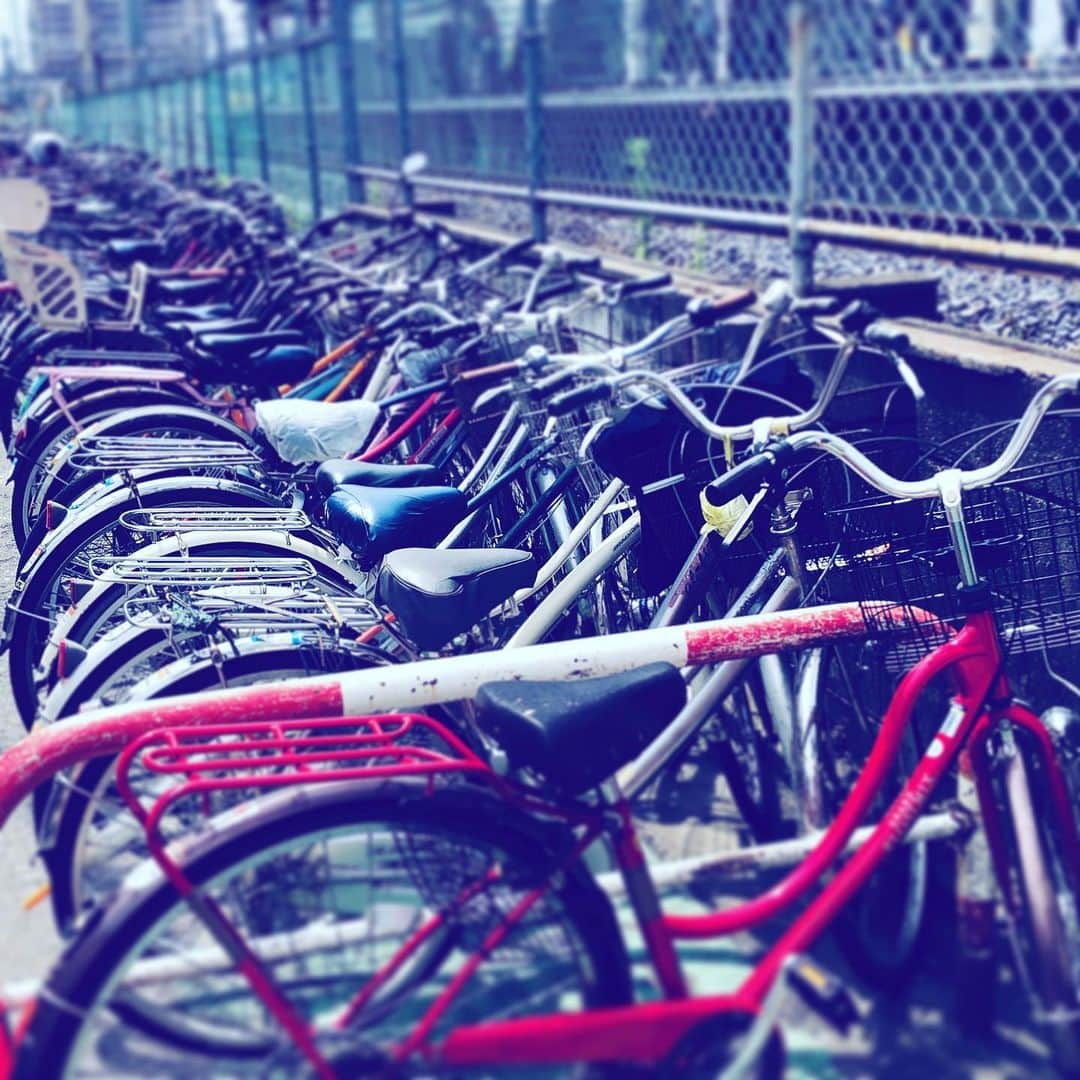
897	559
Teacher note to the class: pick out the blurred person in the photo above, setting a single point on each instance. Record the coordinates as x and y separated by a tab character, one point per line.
675	43
643	37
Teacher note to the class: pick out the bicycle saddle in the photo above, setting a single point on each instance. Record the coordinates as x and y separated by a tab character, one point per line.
127	251
437	594
193	326
333	474
576	734
195	290
241	346
271	367
372	521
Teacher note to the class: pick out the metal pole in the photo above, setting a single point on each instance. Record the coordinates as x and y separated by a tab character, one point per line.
259	108
137	43
188	84
401	82
533	56
801	142
174	127
155	118
311	137
223	74
341	26
208	122
80	114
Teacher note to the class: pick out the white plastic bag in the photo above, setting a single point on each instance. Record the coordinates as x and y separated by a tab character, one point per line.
302	431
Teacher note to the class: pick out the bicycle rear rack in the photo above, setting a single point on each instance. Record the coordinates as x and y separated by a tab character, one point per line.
193	518
219	757
247	608
201	573
112	452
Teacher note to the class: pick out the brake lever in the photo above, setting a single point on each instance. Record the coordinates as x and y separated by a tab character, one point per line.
492	393
592	435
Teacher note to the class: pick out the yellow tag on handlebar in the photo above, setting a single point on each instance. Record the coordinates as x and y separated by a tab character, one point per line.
724	518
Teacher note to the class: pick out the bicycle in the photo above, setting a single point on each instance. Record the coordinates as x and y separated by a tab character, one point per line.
408	775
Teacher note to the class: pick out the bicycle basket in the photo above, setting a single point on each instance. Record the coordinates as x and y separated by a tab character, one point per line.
898	557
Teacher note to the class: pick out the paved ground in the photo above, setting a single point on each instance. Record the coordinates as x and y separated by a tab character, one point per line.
27	940
903	1034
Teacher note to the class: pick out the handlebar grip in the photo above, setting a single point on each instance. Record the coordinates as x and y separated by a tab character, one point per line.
513	250
816	305
711	310
508	367
885	337
567	402
642	285
550	383
545	293
857	316
436	335
747	475
581	264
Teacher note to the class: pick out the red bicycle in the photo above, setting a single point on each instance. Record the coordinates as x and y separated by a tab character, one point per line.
412	903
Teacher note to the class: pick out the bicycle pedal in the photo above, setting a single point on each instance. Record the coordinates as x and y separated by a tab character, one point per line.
824	993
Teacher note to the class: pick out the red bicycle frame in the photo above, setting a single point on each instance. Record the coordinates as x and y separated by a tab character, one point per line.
643	1033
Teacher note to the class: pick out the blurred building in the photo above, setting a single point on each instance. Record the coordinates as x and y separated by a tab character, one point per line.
92	43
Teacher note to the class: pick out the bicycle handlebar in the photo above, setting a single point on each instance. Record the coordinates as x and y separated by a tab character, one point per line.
939	485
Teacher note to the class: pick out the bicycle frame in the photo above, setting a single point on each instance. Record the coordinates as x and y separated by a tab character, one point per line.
642	1033
646	1033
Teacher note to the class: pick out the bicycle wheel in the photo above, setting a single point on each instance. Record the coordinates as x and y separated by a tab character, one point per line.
178	421
880	928
740	739
50	581
1044	914
92	842
34	456
326	884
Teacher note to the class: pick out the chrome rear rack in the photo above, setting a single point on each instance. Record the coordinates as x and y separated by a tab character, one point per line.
255	610
132	451
231	519
203	572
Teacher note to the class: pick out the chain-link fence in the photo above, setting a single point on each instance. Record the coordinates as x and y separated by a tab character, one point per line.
960	116
884	121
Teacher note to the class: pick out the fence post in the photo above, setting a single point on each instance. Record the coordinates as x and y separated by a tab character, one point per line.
258	108
226	118
311	137
208	123
155	120
187	82
401	83
341	27
174	128
533	57
80	113
137	42
801	138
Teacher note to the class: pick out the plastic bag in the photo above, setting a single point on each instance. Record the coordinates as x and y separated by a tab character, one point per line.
302	431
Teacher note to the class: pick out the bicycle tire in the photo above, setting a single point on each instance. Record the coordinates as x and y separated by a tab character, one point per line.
76	990
142	420
880	929
42	578
33	456
1050	939
68	830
